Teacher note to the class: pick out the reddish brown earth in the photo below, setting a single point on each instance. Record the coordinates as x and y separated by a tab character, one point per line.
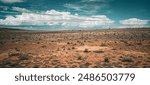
70	49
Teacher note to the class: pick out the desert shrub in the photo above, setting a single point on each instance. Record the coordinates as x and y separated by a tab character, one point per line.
127	59
107	65
85	65
114	49
1	43
24	56
81	57
44	46
106	59
38	42
99	51
86	50
103	44
73	47
55	62
129	44
124	41
139	43
10	54
17	49
98	64
69	49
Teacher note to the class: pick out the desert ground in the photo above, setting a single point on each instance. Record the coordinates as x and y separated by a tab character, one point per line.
110	48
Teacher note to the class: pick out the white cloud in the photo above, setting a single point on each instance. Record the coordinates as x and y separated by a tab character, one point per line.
73	6
8	12
93	0
88	6
80	7
11	1
88	9
14	10
134	21
56	18
96	21
20	9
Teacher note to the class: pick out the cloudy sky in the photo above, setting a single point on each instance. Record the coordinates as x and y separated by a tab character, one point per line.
74	14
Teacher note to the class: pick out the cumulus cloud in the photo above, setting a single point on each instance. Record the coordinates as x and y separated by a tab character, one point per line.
11	1
134	21
56	18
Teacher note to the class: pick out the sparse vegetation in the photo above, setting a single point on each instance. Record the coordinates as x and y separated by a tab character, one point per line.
86	50
81	57
106	59
43	46
85	65
127	59
15	59
99	51
95	48
103	44
139	43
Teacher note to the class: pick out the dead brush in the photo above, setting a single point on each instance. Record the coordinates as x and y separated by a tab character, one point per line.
127	59
103	44
86	50
106	59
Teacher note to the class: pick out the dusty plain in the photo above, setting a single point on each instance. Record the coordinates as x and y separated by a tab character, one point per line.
110	48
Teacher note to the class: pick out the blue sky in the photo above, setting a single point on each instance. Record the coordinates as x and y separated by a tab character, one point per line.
74	14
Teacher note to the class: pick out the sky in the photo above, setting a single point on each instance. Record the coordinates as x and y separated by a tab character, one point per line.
74	14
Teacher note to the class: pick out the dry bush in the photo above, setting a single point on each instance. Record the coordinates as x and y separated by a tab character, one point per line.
139	43
106	59
127	59
81	57
85	65
86	50
99	51
103	44
43	46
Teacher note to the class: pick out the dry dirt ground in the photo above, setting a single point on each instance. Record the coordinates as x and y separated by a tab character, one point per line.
113	48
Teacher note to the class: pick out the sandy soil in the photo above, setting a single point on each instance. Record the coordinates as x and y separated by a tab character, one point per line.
75	49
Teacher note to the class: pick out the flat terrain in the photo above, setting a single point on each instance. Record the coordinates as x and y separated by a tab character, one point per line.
75	49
